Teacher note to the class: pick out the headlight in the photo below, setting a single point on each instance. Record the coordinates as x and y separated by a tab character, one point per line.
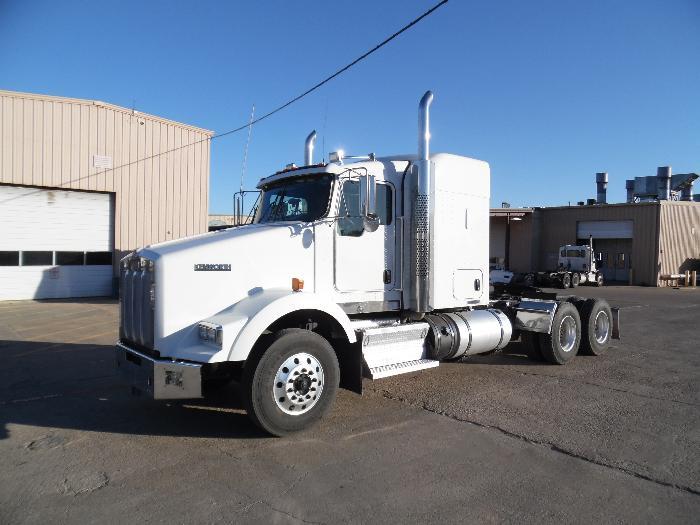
211	333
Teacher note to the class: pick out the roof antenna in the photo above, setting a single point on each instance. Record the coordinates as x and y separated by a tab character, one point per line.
244	167
239	196
323	134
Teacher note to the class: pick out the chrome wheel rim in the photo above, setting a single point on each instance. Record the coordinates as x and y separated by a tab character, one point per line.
602	327
298	384
567	333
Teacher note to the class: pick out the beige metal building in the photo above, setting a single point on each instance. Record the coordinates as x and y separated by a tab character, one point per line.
76	192
638	242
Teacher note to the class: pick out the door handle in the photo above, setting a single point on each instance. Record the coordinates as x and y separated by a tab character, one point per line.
387	276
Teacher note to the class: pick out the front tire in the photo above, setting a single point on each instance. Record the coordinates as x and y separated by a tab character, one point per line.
599	279
291	385
562	343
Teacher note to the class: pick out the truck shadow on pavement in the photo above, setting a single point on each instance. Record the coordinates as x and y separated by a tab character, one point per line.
75	386
515	353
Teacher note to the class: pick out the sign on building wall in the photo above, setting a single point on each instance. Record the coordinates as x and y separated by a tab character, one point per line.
103	162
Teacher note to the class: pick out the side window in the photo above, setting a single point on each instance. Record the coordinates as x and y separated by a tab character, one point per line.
8	258
350	215
98	258
36	258
69	258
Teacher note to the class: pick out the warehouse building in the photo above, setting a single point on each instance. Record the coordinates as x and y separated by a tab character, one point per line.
639	240
76	193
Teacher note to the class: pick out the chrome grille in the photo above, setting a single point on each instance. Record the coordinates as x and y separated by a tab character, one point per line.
137	316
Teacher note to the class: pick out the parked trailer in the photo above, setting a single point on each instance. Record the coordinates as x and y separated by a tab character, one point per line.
359	267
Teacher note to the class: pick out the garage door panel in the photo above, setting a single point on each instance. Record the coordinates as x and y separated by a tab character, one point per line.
39	219
42	220
605	229
53	282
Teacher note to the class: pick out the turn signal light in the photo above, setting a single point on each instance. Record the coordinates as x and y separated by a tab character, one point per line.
297	284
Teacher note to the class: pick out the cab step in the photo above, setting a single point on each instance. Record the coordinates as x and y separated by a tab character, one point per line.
396	349
401	368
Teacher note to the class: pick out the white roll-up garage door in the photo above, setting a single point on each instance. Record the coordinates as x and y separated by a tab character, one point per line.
605	229
55	243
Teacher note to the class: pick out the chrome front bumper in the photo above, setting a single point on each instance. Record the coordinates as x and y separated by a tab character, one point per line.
158	378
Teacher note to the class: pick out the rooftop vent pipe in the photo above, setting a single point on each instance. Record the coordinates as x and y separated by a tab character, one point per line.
687	192
601	180
629	186
309	149
663	180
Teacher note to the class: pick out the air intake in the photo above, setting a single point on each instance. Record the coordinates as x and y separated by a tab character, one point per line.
663	181
601	180
629	186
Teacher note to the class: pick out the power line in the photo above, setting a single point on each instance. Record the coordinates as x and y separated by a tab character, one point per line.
295	99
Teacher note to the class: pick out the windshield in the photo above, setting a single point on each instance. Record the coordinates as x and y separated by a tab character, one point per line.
298	199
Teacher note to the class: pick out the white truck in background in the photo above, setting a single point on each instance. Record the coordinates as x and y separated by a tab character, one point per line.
576	265
359	267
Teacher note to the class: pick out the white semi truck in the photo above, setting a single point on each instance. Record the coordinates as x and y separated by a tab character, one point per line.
359	267
576	265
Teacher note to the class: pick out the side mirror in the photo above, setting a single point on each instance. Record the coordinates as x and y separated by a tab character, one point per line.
368	203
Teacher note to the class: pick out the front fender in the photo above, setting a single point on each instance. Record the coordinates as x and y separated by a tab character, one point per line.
245	321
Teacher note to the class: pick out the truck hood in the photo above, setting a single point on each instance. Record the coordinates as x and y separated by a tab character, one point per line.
199	276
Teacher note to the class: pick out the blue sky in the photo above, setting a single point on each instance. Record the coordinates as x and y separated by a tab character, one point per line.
548	92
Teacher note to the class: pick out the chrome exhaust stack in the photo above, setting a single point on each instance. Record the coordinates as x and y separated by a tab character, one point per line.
309	148
420	231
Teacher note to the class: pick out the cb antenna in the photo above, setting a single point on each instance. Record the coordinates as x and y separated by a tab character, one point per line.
244	167
323	134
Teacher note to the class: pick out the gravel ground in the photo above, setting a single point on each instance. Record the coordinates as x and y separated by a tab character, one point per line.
504	438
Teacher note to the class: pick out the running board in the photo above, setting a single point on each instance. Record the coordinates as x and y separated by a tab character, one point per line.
392	350
401	368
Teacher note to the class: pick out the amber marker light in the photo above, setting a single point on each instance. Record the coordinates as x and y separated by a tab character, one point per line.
297	284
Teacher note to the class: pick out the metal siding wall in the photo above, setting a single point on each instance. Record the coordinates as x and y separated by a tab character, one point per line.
559	228
50	142
521	244
679	239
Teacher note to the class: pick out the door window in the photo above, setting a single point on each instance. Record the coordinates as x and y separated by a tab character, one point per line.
350	215
620	263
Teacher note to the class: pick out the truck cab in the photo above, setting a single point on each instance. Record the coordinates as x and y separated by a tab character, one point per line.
360	267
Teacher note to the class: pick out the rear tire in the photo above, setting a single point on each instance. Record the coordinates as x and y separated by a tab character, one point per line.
575	279
290	385
596	327
561	345
565	280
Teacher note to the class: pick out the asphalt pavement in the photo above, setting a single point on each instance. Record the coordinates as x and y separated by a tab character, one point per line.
495	438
